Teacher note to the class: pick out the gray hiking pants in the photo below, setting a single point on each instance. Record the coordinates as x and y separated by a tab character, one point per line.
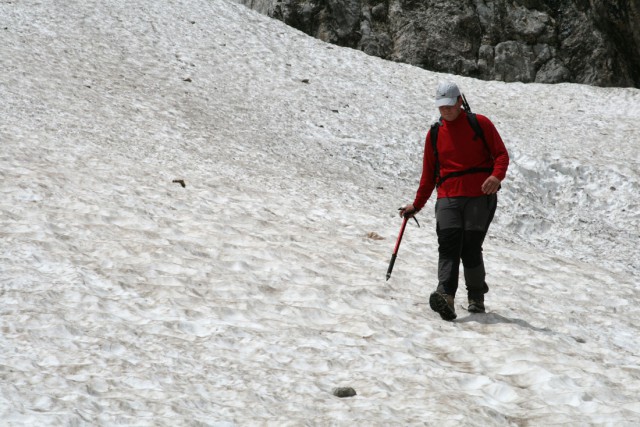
462	224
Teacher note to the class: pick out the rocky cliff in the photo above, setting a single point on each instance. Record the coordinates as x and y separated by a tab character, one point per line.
595	42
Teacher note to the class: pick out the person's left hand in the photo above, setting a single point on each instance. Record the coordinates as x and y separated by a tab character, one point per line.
491	185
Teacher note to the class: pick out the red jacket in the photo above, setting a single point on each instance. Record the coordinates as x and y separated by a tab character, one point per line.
458	151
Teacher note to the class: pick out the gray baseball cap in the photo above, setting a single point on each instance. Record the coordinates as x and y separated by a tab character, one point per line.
447	94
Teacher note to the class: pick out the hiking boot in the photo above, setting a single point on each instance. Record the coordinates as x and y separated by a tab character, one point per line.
476	306
443	305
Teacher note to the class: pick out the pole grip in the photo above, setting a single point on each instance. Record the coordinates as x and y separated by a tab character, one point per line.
404	225
395	250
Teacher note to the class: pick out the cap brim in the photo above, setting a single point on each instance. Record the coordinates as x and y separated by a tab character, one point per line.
446	102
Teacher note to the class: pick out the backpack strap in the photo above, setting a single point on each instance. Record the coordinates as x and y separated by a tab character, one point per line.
477	129
434	145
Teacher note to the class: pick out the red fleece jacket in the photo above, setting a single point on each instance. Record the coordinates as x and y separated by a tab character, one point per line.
458	151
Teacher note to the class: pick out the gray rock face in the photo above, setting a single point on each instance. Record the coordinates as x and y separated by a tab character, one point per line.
595	42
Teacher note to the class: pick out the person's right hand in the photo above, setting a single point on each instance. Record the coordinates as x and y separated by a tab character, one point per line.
407	211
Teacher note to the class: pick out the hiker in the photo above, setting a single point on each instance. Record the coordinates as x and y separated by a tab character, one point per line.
466	166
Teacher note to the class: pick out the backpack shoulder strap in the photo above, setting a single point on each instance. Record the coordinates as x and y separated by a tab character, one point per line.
477	129
434	145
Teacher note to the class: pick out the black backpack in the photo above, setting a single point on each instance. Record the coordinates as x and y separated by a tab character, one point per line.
473	122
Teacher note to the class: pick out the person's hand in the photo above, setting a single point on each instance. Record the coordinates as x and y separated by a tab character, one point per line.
407	211
491	185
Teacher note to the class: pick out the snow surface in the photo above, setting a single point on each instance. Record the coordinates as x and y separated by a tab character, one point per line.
245	297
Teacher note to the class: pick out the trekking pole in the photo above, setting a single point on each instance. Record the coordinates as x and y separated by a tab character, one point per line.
395	251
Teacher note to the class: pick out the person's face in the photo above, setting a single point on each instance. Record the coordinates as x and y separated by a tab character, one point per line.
450	113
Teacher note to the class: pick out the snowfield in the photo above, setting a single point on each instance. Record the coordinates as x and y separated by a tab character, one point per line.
246	296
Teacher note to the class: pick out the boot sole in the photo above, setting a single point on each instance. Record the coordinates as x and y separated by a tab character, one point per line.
440	306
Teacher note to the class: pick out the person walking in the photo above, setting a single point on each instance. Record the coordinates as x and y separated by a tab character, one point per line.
466	160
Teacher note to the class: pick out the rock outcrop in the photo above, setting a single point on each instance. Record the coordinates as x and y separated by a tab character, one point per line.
595	42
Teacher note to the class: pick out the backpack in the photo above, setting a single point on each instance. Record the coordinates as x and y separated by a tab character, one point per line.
473	122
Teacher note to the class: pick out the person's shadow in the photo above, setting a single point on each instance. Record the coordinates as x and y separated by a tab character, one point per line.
493	318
